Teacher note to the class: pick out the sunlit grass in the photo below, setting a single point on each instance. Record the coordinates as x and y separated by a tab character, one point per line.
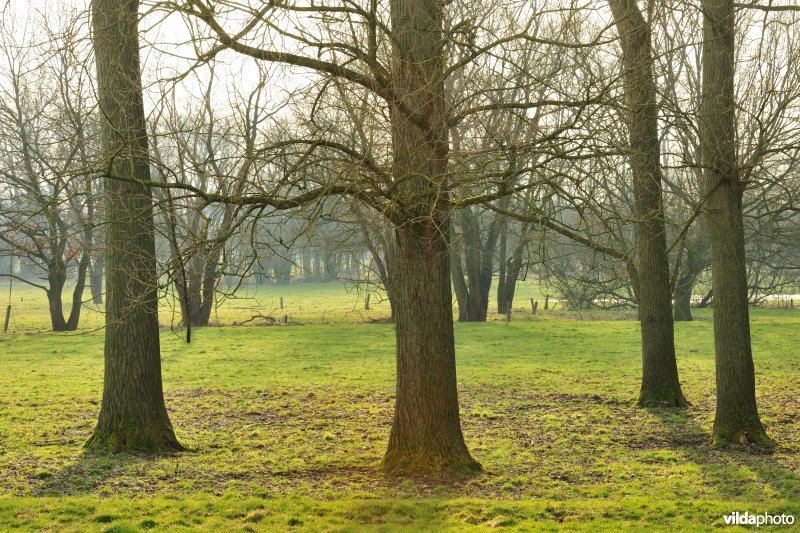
316	303
286	427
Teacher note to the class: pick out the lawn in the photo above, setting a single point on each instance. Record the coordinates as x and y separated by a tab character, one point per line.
286	427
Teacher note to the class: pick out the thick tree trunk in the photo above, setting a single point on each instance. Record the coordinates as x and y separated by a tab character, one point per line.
660	384
695	262
132	415
57	321
426	433
197	299
737	419
426	430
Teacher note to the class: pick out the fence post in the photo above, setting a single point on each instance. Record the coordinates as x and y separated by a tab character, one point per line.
281	302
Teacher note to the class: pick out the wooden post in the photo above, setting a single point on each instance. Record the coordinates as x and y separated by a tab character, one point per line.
547	301
366	302
534	305
281	302
8	316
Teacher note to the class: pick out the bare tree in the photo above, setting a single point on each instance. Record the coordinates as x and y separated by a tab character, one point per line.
133	415
660	383
49	137
737	419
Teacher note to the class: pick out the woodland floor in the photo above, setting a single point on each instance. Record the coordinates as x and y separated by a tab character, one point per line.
286	427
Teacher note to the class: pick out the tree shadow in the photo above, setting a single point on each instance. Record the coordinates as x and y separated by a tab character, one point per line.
93	471
736	472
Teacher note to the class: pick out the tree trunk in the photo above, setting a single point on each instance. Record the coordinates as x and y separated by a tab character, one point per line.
56	278
502	295
737	419
682	310
96	278
459	285
473	290
132	415
512	271
77	292
660	384
426	430
317	273
696	261
307	265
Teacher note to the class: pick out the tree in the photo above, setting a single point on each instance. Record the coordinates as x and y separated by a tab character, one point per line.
49	136
426	432
737	419
401	67
660	383
133	415
214	154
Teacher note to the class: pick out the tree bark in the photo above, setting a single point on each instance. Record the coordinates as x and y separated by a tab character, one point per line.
660	383
737	419
693	265
472	290
502	295
97	280
77	292
459	285
426	431
56	278
682	309
511	272
132	415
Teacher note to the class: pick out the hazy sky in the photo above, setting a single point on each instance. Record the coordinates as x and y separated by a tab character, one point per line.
165	51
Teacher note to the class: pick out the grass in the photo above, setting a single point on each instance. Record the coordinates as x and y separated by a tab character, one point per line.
317	303
286	427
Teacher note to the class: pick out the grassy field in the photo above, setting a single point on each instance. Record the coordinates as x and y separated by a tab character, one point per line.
286	427
313	303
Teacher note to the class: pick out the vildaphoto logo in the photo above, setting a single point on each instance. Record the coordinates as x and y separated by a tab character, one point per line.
764	519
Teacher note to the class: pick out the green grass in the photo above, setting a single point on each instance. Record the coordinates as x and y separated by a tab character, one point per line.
317	303
286	427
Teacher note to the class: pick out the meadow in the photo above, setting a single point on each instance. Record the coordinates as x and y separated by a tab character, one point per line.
286	425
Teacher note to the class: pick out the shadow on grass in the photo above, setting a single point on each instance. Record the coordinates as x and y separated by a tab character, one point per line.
92	471
737	472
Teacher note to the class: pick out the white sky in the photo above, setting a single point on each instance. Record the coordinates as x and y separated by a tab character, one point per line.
165	52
